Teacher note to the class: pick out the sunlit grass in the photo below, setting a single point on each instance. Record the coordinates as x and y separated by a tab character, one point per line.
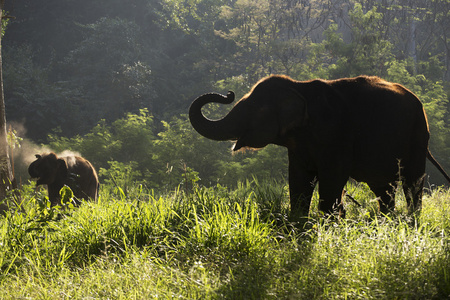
213	243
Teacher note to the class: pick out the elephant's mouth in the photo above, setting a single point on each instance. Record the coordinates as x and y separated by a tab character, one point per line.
247	141
237	146
241	144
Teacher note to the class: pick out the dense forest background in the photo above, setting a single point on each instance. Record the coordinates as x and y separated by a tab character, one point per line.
113	80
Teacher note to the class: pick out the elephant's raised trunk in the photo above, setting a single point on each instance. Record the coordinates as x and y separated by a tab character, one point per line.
219	130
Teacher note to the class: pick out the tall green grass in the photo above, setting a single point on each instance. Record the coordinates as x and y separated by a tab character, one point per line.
215	243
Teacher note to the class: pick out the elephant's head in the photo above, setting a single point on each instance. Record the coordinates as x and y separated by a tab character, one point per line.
48	168
266	115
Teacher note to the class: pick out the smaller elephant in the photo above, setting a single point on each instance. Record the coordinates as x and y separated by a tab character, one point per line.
74	171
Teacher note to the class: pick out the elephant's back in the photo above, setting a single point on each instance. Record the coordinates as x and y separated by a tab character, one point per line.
84	176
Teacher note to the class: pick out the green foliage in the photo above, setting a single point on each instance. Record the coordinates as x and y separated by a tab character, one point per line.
123	141
179	147
31	95
124	80
120	175
5	21
368	52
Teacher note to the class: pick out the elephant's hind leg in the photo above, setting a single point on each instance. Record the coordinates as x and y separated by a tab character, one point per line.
413	190
386	195
330	192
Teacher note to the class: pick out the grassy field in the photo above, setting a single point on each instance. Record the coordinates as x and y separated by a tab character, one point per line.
223	244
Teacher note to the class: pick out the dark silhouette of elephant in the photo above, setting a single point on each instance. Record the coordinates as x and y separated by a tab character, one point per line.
73	171
363	128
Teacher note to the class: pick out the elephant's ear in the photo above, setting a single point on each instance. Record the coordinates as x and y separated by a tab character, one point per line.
293	111
62	169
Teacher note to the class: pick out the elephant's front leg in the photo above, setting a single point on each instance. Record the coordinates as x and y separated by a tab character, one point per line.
53	194
330	193
301	186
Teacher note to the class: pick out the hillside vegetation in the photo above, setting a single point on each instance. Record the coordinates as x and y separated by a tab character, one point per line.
113	80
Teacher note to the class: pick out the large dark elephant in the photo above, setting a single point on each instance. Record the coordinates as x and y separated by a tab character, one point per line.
73	171
365	128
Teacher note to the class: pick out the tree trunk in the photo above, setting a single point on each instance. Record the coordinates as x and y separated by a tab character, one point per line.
6	177
412	43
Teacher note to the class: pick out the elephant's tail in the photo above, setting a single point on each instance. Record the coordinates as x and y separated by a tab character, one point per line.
437	165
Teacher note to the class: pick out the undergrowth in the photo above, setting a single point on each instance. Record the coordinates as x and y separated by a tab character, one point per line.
216	243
